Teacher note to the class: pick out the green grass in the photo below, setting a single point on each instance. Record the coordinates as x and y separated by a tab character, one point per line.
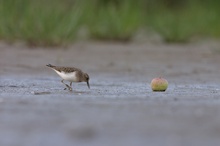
39	22
57	22
114	22
181	25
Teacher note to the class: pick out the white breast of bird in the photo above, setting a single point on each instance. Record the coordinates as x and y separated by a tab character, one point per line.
68	76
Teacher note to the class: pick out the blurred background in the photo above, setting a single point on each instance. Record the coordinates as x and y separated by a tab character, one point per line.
57	22
120	107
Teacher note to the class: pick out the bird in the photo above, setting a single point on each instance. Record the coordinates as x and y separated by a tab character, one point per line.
70	74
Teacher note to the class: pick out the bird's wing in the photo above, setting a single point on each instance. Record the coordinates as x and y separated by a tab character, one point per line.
66	69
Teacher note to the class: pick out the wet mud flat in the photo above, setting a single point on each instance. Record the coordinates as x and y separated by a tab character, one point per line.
120	108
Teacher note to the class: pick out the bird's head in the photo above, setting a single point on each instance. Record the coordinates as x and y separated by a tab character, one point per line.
86	79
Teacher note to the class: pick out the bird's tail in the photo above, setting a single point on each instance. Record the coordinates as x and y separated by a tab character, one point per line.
49	65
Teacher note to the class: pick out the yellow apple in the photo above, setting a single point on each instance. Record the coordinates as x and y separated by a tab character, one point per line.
159	84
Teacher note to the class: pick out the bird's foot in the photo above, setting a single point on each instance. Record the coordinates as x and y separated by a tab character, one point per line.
70	89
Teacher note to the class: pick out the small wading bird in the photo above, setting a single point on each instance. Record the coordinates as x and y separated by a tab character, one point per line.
70	74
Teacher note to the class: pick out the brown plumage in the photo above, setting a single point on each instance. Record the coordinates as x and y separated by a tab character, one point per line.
65	69
70	74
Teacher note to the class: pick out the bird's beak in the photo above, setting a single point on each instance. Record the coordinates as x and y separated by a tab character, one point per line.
88	84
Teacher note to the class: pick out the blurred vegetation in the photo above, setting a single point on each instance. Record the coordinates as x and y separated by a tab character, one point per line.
55	22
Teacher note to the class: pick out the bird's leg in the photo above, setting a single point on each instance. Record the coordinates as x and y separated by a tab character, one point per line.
70	87
66	85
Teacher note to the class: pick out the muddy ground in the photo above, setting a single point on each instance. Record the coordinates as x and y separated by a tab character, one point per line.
120	108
